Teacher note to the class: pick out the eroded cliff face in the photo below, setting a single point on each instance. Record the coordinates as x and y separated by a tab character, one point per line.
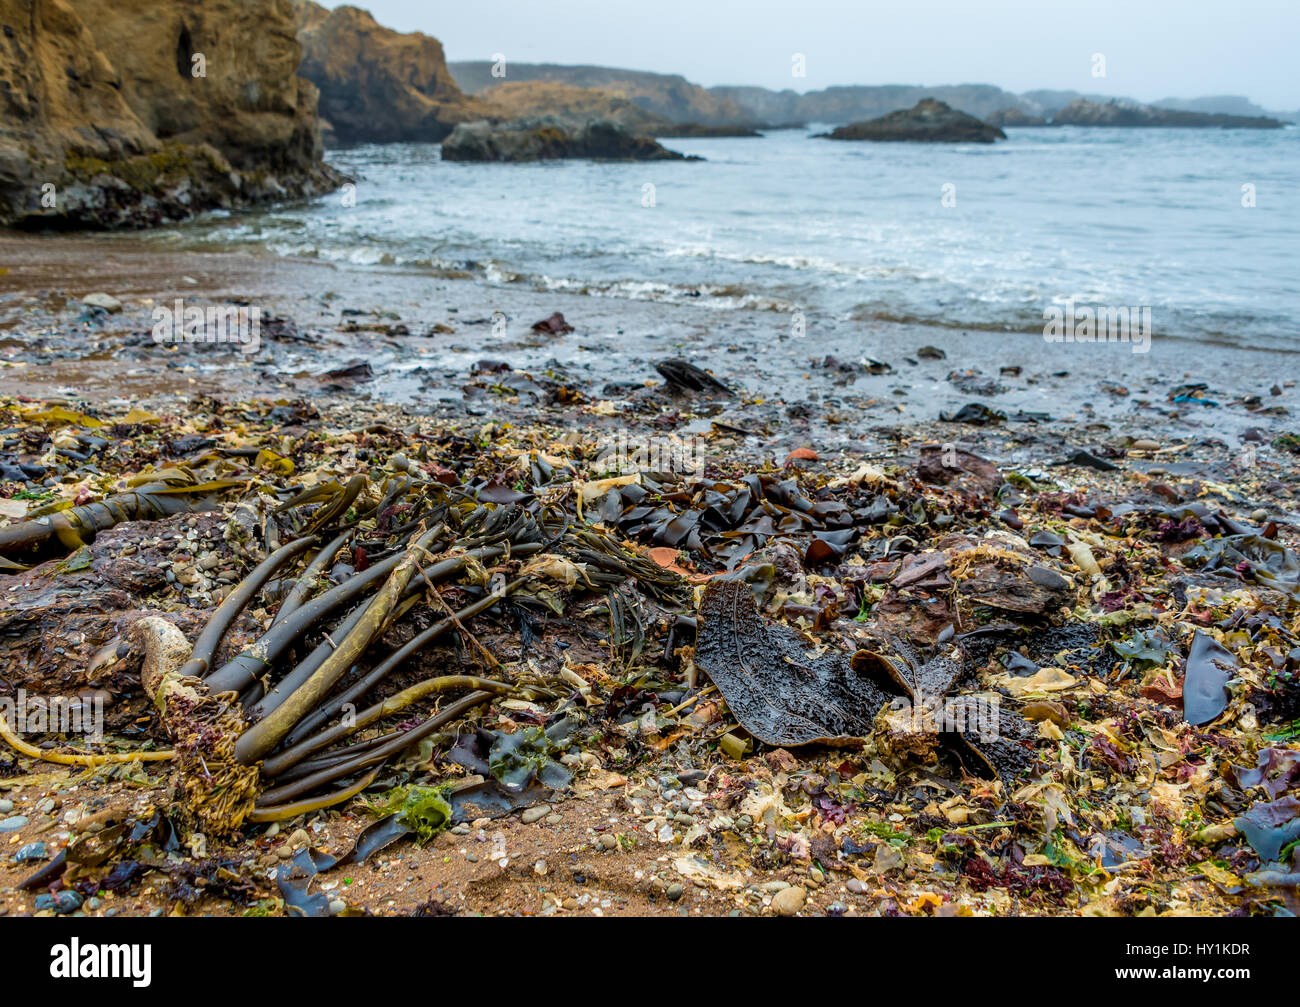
130	113
528	99
667	96
378	85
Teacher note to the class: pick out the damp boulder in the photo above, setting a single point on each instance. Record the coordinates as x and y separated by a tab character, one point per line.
551	138
928	121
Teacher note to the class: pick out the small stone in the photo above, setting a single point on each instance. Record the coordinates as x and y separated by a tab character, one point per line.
681	818
45	806
570	903
472	857
6	807
535	813
857	887
30	852
337	906
1145	444
608	841
61	903
554	819
298	839
101	300
674	892
1260	514
14	823
789	901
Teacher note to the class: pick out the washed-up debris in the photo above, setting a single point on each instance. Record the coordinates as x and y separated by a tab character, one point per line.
683	375
553	325
911	681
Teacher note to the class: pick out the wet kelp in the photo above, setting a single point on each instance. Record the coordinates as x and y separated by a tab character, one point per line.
970	686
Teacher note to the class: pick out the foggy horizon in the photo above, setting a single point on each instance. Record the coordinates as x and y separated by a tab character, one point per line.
1161	50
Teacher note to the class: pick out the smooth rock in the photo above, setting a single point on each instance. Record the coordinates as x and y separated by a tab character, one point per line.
101	300
789	901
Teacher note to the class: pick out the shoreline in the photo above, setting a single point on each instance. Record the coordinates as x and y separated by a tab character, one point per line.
663	816
395	319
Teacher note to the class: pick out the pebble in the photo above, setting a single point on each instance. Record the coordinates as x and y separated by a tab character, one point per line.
6	807
101	300
608	841
61	902
1145	444
337	906
789	901
570	903
535	813
857	887
32	851
45	806
298	838
1259	514
554	819
13	823
674	892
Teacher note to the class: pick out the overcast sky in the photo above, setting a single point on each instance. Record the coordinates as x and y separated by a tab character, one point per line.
1153	48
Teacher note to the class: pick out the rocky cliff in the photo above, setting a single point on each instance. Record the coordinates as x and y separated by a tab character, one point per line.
856	103
378	85
568	102
667	96
530	99
1130	113
134	112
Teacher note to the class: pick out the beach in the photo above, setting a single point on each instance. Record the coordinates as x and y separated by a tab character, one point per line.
403	360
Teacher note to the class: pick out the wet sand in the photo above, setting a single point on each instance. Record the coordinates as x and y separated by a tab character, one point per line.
436	344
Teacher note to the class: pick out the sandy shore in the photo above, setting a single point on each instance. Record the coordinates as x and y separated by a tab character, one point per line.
376	367
423	335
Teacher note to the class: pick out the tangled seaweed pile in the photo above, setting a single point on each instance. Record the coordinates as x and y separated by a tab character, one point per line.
955	688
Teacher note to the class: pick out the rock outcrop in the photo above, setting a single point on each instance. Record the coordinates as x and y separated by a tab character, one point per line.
1082	112
549	138
929	121
857	103
130	113
533	99
378	85
668	96
1014	117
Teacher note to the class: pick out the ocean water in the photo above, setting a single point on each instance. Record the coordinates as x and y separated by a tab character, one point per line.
863	231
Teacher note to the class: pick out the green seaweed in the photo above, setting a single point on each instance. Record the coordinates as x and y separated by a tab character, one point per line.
424	810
